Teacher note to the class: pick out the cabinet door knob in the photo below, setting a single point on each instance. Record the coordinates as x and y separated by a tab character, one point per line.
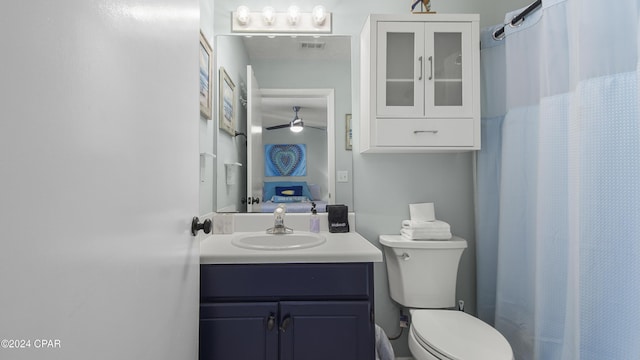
285	323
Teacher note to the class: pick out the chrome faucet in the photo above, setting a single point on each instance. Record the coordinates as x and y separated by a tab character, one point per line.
278	222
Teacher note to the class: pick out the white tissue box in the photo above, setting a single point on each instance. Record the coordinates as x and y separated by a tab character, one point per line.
422	212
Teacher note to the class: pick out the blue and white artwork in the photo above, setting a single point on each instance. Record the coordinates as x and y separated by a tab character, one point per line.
285	160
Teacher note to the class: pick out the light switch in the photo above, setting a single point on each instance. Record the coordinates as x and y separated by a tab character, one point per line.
343	176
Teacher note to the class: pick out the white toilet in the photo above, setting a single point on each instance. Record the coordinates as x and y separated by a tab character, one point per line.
422	276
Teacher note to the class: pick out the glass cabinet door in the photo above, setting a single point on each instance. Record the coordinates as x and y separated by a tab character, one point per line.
449	70
400	69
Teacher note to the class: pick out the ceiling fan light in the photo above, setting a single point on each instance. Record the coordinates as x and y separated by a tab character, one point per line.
296	125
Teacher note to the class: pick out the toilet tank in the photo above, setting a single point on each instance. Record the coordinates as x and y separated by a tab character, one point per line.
422	273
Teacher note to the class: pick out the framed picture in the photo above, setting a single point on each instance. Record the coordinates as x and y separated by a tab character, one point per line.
348	133
206	69
285	160
227	103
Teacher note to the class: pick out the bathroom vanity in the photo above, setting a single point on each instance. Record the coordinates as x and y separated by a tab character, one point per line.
287	311
297	303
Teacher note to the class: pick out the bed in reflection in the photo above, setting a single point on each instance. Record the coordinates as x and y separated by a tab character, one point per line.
297	196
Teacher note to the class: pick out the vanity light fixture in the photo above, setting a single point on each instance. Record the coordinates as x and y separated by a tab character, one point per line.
294	20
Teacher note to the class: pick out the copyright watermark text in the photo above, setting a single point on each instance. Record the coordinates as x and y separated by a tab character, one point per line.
30	344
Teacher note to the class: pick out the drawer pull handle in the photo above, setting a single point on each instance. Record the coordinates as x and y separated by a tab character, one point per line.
425	131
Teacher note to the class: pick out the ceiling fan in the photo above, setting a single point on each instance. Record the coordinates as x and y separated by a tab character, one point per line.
296	125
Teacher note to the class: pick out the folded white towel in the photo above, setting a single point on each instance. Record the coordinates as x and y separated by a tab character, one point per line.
430	225
422	232
418	234
384	351
423	211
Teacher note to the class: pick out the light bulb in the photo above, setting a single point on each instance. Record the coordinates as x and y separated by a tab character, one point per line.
268	15
243	14
319	14
293	14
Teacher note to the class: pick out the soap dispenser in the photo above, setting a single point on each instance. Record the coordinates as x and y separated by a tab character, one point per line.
314	221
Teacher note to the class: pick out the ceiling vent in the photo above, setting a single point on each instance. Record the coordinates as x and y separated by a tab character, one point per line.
308	45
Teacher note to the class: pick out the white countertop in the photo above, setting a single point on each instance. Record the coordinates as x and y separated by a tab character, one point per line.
339	247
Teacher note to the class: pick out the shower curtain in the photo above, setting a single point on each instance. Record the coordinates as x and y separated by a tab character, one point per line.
558	182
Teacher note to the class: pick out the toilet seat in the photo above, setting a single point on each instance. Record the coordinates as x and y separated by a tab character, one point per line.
455	335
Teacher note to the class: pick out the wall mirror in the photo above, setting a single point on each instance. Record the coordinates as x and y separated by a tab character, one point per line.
280	79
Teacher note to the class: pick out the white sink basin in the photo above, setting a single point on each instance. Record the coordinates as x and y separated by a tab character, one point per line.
259	241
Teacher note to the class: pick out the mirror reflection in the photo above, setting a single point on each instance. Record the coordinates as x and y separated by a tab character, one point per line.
283	84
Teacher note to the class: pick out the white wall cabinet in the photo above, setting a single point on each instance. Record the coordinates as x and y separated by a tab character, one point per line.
420	83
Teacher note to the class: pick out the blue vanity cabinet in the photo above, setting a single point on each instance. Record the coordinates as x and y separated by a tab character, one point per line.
238	331
287	311
337	330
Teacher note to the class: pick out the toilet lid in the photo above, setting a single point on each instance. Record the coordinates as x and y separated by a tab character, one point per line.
459	336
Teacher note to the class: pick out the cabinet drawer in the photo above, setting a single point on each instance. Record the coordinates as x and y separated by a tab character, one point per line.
244	282
424	132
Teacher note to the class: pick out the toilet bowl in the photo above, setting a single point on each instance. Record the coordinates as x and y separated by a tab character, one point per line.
422	277
454	335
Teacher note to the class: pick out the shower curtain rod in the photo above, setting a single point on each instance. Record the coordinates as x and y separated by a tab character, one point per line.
499	34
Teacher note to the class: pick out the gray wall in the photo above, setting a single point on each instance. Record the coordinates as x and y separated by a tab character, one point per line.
384	185
231	149
208	173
